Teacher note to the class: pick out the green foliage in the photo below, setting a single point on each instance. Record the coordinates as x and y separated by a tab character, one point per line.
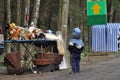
116	4
76	13
1	58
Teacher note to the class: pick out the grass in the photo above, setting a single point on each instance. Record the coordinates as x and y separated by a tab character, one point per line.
1	58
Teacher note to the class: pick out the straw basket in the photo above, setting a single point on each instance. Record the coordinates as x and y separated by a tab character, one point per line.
15	71
58	58
44	58
42	61
55	58
12	61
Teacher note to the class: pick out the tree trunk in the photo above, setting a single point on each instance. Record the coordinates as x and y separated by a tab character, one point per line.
63	23
111	14
35	13
63	18
18	12
7	45
18	17
26	21
82	22
8	11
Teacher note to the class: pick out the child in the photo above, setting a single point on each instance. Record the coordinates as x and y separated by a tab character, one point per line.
75	48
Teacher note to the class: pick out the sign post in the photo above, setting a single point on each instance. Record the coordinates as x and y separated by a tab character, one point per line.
96	12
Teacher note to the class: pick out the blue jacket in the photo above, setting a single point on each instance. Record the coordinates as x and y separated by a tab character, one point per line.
76	46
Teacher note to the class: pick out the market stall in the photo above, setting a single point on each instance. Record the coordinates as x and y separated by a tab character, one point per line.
42	52
40	60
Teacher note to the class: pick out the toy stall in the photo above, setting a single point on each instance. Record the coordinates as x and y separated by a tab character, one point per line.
41	51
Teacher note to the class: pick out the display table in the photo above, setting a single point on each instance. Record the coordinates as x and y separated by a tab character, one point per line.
36	42
30	46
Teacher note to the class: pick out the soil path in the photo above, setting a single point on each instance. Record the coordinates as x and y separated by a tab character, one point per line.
100	70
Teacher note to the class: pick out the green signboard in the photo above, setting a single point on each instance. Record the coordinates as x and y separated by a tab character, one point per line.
96	12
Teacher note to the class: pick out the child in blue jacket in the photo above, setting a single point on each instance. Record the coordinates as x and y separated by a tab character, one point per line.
75	48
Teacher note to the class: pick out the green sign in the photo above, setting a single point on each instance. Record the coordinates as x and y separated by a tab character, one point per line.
96	12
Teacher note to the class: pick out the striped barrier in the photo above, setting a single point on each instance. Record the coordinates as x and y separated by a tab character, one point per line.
105	37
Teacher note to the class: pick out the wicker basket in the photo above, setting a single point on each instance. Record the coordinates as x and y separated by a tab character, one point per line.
58	58
44	56
15	71
13	59
42	61
55	58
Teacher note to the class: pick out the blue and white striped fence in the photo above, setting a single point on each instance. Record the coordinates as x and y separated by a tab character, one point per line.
104	37
98	38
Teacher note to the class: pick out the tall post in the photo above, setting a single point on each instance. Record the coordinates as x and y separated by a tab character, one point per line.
63	22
